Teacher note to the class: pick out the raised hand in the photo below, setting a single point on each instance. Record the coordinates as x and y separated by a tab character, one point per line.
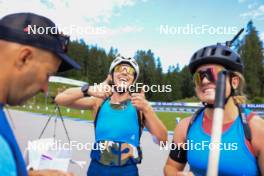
139	101
102	90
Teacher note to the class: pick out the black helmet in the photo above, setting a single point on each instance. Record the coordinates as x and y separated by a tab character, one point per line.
217	54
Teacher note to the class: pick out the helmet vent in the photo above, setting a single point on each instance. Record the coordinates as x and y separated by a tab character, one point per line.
213	51
194	56
226	53
238	60
202	54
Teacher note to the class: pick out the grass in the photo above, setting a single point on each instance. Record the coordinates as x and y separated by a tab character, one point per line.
168	118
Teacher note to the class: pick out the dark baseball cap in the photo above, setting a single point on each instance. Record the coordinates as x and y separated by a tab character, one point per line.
38	31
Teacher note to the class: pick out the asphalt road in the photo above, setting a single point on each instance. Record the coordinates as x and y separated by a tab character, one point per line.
28	126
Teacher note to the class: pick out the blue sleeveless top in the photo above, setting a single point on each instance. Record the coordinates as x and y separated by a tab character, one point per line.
235	158
117	125
14	154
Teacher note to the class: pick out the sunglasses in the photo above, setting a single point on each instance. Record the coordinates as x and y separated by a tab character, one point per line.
119	106
121	68
211	74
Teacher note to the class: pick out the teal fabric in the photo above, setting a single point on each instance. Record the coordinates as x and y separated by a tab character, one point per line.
118	125
235	158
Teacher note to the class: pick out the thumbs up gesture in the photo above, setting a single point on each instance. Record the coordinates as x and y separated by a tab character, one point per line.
139	101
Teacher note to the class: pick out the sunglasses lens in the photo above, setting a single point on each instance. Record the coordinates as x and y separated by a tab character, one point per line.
118	68
211	75
197	78
121	68
131	71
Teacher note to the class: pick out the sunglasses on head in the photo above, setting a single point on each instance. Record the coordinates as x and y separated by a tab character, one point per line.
210	73
121	68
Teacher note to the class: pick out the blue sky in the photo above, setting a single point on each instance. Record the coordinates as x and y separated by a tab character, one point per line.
130	25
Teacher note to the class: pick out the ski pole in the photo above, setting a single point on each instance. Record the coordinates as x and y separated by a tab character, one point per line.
219	104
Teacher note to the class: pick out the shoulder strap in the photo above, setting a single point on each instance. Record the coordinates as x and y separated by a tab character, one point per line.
244	118
180	154
140	123
194	117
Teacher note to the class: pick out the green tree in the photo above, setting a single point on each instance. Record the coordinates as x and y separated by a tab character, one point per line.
187	85
251	52
146	62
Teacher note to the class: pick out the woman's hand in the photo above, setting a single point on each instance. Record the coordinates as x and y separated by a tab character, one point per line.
103	90
139	101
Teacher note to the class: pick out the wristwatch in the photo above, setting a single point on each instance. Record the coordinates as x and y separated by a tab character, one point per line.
85	89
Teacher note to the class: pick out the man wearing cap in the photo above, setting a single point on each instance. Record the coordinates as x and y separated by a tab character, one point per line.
26	62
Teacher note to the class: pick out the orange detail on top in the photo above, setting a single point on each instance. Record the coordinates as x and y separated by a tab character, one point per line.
208	123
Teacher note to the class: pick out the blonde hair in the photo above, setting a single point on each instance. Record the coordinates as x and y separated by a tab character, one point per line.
239	96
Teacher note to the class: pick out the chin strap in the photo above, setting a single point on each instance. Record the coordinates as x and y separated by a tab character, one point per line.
207	105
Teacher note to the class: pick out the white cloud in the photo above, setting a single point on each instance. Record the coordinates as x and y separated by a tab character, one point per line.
68	11
114	37
85	14
129	29
123	30
255	13
252	5
262	36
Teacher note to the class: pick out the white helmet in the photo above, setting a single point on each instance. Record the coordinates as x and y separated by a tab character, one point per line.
120	59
